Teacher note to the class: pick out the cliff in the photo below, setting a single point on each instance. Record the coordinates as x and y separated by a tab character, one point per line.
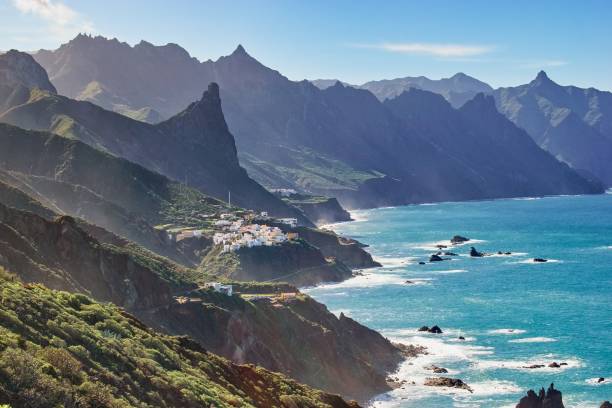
298	263
296	336
320	210
348	251
62	349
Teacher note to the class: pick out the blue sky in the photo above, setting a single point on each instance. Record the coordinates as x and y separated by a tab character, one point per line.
504	43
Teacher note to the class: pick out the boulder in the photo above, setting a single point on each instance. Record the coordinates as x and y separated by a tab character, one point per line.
549	399
440	370
554	364
450	254
421	263
461	338
439	246
605	404
534	366
424	328
458	239
447	382
600	380
475	253
435	258
435	330
540	260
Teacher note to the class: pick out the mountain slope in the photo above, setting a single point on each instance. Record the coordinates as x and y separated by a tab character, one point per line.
19	73
573	124
62	349
194	146
498	157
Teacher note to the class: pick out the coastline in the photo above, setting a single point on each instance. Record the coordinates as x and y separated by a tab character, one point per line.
485	349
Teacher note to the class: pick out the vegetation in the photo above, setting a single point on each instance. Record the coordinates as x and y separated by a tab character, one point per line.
64	350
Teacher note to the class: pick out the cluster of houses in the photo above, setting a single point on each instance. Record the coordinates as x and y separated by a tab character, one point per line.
239	236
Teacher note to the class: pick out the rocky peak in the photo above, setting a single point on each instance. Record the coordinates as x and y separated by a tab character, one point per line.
481	104
19	68
240	51
542	79
550	398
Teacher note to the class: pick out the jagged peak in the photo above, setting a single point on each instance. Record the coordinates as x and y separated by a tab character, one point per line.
240	51
542	79
481	103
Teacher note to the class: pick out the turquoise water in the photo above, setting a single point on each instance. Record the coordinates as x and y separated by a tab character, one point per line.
512	312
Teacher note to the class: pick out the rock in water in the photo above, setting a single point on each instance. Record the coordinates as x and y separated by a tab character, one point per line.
601	379
475	253
549	399
424	328
435	258
447	382
458	239
540	260
606	404
435	330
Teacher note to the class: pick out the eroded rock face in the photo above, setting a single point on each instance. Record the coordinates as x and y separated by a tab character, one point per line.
606	404
550	398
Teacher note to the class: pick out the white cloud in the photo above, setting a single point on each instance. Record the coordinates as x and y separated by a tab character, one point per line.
433	49
62	21
543	64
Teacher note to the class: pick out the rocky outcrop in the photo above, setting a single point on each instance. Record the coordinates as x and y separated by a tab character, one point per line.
447	382
297	262
474	253
550	398
320	210
458	239
605	404
296	336
61	255
347	250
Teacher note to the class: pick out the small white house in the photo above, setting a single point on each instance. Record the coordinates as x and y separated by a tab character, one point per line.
292	222
264	214
221	288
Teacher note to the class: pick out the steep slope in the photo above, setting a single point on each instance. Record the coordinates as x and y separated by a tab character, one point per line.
115	194
62	349
19	73
62	255
573	124
500	159
294	335
457	89
194	146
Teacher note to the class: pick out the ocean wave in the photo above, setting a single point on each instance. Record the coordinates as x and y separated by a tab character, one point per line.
394	262
507	332
504	255
494	387
451	271
527	198
523	365
530	261
432	246
366	280
595	381
533	340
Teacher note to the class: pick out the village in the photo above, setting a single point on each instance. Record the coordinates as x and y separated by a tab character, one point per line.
233	232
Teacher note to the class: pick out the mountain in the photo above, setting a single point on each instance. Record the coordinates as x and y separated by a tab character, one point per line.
63	349
326	83
194	146
339	142
574	124
496	156
19	73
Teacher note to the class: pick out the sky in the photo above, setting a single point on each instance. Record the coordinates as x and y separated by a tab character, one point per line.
504	43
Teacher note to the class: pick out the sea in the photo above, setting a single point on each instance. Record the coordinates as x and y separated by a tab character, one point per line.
513	312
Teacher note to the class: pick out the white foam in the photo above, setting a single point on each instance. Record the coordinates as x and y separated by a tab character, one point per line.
533	340
595	381
366	280
507	332
394	262
494	387
433	246
451	271
522	365
532	262
504	255
527	198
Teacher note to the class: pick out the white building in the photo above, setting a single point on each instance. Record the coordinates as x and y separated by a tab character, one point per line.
292	222
221	288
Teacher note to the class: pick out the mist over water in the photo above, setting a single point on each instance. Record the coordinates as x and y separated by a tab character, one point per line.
512	311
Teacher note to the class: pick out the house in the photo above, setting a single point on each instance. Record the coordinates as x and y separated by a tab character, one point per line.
291	236
264	214
221	288
292	222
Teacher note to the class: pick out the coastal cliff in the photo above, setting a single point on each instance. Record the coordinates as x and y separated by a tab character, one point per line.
298	263
293	334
